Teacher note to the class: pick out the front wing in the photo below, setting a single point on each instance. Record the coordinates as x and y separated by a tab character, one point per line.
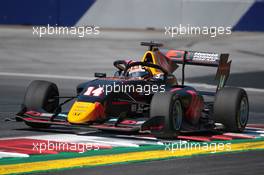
112	124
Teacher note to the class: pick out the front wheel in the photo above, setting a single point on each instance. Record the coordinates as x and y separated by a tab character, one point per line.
168	106
231	108
41	95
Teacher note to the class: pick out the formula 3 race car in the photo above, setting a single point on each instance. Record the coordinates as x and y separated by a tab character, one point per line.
143	96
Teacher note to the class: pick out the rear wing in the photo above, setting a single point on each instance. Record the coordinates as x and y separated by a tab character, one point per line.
202	59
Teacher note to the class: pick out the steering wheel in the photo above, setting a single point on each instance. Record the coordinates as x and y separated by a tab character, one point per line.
146	64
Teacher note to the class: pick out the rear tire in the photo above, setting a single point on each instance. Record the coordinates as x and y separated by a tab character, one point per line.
40	96
169	106
231	108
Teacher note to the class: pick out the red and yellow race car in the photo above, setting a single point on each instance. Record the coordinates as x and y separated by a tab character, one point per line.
143	96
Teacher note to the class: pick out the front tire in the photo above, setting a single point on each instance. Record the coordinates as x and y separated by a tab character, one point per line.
169	106
40	95
231	108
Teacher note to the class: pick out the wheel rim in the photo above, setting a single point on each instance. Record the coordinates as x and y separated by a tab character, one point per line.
243	111
177	115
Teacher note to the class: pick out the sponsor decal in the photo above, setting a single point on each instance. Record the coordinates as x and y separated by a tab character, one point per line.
208	57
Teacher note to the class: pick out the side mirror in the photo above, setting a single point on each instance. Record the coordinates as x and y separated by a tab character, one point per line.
100	75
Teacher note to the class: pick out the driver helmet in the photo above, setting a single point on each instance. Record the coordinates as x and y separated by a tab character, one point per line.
139	72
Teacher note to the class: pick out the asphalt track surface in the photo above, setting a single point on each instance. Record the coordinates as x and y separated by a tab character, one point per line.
68	61
236	163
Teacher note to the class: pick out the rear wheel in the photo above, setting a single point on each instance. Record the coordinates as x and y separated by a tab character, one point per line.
40	95
231	108
168	106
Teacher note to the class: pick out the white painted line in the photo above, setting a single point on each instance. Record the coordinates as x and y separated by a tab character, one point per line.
209	86
255	129
261	132
117	143
71	138
9	154
201	85
99	140
45	76
136	137
254	132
